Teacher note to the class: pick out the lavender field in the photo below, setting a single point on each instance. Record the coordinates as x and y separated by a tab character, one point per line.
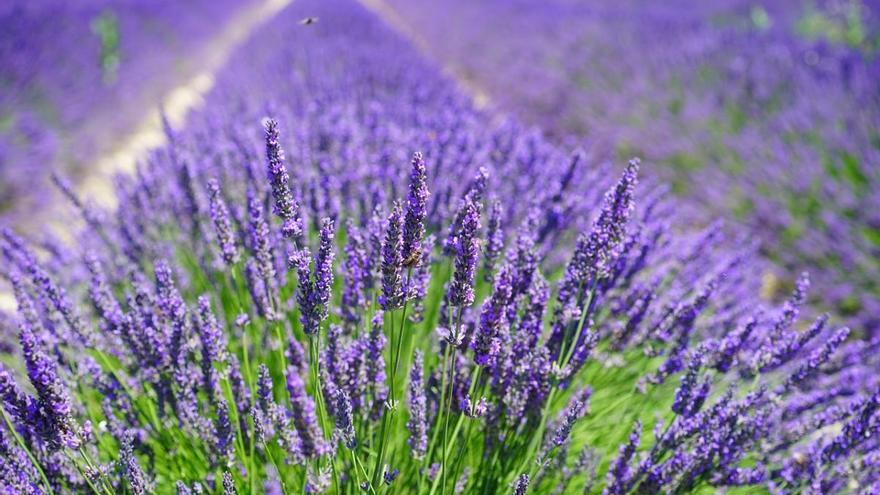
440	247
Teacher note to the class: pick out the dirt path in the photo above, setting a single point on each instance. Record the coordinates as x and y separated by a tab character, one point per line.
177	103
387	13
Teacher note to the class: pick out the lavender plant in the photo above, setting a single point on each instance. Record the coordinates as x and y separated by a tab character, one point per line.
381	289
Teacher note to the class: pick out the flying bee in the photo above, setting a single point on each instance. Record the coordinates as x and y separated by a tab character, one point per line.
308	20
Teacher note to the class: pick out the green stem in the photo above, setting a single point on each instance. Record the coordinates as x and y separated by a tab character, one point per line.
562	361
448	408
315	351
387	415
272	460
82	473
474	400
437	421
91	466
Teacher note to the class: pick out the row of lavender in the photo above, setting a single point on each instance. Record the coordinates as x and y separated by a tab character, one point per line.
75	75
770	112
414	298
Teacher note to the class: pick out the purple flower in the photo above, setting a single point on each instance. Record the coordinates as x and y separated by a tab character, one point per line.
474	194
102	299
692	392
473	409
285	205
731	345
213	344
228	484
390	475
597	251
619	473
224	434
861	426
265	396
594	255
524	256
182	489
222	225
16	402
416	212
392	282
522	485
260	427
781	338
261	243
357	275
466	244
303	410
174	309
55	294
376	363
55	421
815	360
313	293
333	363
418	413
494	241
575	410
257	288
134	475
296	355
344	420
487	343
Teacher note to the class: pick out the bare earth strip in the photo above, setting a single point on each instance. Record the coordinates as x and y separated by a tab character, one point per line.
387	13
177	104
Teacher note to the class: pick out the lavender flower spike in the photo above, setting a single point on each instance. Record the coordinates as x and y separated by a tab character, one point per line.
416	212
57	424
494	241
324	265
392	260
599	249
692	393
344	421
285	205
224	435
487	343
313	293
620	474
376	363
213	344
228	484
466	243
522	485
134	475
222	225
303	408
418	413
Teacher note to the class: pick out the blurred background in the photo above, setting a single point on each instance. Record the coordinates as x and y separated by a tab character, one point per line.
78	79
766	114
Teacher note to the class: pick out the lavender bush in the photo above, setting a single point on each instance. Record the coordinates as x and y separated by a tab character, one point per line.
765	112
342	278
